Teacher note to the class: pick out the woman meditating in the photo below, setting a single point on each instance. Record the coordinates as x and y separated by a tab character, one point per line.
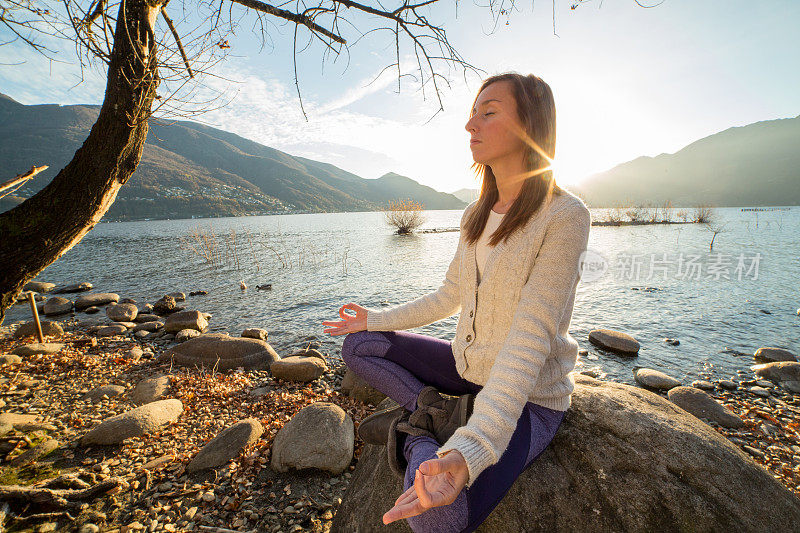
474	412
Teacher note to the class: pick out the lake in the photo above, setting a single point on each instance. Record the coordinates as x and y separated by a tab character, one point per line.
742	296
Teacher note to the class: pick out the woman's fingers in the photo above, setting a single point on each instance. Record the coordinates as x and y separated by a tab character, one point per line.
421	491
413	508
406	496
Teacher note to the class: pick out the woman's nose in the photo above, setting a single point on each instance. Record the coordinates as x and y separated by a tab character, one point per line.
470	126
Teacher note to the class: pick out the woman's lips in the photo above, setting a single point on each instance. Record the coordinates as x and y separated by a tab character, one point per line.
473	141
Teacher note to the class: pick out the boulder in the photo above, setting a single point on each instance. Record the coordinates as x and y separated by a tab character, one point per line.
122	312
255	333
653	379
227	445
223	352
97	393
10	359
355	387
150	389
778	372
769	354
134	423
75	287
319	436
147	317
91	310
57	305
94	300
148	326
39	286
179	296
615	341
703	384
185	320
298	368
165	305
186	334
49	328
624	459
34	348
133	355
703	405
110	331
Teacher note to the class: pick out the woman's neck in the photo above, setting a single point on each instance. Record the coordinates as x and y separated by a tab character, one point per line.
509	177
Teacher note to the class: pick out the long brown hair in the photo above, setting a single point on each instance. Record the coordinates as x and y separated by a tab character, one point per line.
537	112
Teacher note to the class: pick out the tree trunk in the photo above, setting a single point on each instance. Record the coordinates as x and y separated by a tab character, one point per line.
41	229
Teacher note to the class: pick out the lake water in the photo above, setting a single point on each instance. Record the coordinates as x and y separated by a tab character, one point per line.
317	262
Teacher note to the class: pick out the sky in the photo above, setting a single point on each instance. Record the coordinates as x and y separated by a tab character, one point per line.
628	81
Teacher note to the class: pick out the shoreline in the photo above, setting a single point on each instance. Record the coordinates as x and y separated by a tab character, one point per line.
154	491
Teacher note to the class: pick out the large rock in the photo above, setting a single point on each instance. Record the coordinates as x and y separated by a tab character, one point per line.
110	331
91	300
298	368
256	333
148	326
615	341
75	287
784	373
165	305
654	379
39	286
768	354
34	348
624	459
57	306
227	445
223	352
49	328
146	419
355	387
703	405
122	312
97	393
320	436
150	389
185	320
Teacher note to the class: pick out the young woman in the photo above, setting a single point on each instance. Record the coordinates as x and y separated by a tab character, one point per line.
506	373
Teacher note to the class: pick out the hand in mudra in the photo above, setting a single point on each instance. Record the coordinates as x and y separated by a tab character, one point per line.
437	482
349	323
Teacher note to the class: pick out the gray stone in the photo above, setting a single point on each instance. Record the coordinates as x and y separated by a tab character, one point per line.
227	445
703	405
703	385
39	286
34	454
298	368
148	326
49	328
654	379
355	387
122	312
223	352
147	317
95	300
150	389
133	355
615	341
10	359
624	459
185	320
769	354
97	393
128	325
759	391
75	287
165	305
91	310
319	436
186	334
255	333
134	423
179	296
57	305
34	348
778	372
110	331
728	384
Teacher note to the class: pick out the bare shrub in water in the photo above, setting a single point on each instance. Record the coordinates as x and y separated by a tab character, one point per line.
703	213
405	216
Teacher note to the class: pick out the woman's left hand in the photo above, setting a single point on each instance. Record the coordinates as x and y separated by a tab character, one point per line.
436	482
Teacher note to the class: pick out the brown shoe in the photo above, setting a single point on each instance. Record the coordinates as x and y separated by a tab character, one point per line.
374	429
441	415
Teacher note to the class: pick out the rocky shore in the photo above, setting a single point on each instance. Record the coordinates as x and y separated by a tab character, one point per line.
142	420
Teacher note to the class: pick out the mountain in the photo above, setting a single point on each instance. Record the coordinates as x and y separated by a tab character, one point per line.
757	164
467	195
188	169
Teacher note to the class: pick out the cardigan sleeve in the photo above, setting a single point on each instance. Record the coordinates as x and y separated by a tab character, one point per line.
429	308
552	282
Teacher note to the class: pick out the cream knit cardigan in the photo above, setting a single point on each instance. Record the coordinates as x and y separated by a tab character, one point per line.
512	334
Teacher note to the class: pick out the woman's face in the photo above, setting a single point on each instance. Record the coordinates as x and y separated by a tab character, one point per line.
493	126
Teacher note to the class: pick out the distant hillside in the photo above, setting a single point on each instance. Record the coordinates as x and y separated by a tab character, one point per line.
757	164
189	169
466	195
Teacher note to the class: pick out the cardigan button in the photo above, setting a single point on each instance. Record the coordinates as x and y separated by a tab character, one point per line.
470	313
469	338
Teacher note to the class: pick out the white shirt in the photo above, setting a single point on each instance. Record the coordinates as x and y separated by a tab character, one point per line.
482	248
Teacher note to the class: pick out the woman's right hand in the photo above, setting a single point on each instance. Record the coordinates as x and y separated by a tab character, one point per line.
349	323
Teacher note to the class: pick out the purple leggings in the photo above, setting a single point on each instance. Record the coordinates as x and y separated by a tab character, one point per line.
400	364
